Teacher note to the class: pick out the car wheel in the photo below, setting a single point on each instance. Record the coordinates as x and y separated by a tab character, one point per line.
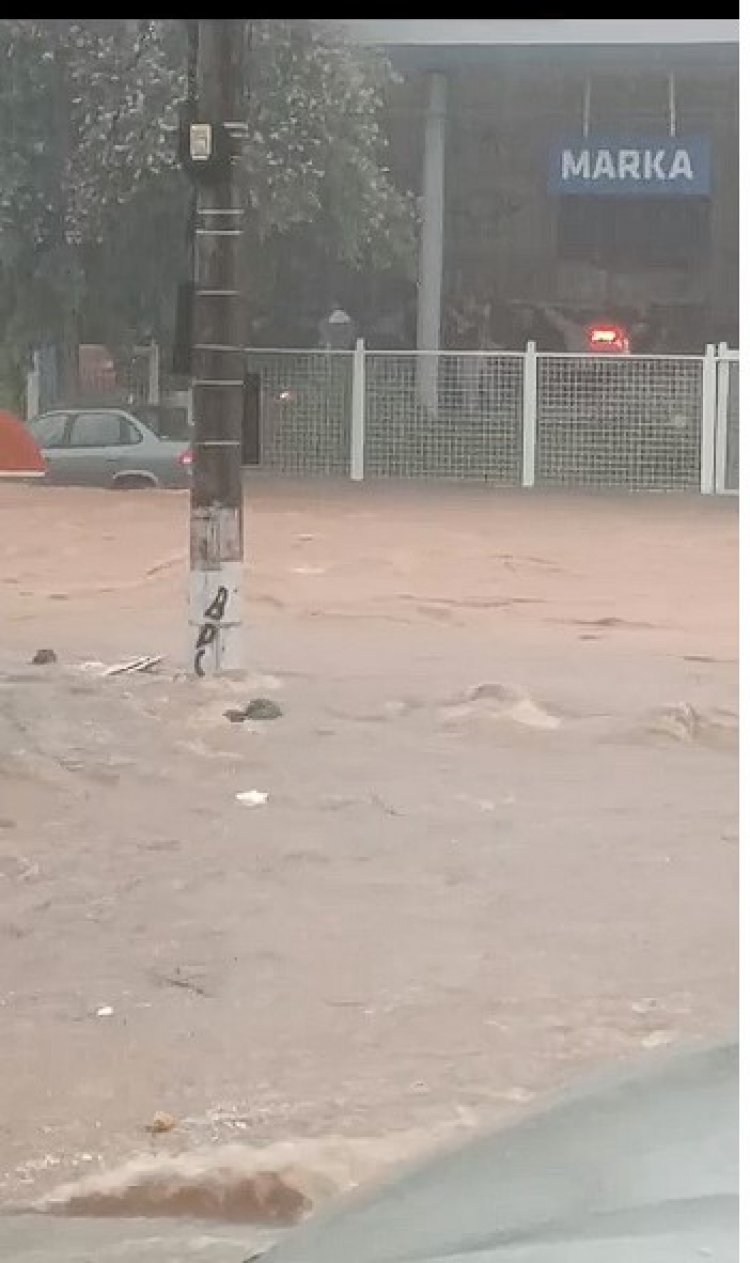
134	482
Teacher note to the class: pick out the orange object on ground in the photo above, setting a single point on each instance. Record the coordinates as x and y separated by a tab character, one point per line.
19	454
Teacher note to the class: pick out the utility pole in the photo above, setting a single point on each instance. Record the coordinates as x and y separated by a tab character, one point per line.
218	359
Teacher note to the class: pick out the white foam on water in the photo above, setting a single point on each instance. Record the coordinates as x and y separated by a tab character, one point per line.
499	704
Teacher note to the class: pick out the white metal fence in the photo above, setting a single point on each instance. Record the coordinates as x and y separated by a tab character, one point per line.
512	418
305	410
474	431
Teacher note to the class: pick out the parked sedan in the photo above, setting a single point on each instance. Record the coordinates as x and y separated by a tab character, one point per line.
108	447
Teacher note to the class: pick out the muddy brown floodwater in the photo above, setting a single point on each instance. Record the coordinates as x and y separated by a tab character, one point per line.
499	843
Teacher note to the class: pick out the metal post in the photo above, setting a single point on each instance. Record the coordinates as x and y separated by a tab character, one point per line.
216	526
722	418
586	119
34	387
708	423
672	106
528	465
357	452
429	296
154	393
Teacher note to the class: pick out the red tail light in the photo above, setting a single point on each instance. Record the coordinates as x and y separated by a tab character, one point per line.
186	458
608	338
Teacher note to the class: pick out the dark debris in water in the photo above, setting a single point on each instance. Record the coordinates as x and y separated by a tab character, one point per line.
260	708
44	658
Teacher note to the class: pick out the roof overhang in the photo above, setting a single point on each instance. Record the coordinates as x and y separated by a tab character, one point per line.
549	32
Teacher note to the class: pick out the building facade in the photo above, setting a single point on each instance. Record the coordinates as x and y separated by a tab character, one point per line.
569	171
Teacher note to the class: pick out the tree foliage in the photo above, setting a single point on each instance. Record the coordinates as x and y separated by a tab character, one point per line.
87	111
315	103
92	205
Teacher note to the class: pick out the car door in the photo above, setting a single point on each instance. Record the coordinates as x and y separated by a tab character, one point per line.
51	433
132	454
95	447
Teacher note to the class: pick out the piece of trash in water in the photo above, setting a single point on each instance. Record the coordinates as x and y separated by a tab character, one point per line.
647	1005
258	708
105	1010
252	798
44	658
143	663
235	716
658	1039
161	1123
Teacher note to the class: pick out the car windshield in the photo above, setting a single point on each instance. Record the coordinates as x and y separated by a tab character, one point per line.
49	430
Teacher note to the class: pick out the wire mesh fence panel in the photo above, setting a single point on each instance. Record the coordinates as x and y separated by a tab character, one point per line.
619	421
453	415
134	378
305	410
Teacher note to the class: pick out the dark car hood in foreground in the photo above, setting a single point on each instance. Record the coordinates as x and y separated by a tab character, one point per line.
642	1169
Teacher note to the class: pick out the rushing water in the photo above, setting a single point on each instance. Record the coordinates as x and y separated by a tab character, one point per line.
48	1239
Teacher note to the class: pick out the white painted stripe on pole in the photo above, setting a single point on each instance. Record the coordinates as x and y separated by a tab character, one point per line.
201	381
217	346
215	619
708	422
528	459
357	454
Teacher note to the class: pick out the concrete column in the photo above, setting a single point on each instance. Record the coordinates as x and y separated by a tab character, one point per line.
431	242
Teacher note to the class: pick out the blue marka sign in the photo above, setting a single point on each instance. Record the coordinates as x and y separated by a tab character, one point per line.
641	168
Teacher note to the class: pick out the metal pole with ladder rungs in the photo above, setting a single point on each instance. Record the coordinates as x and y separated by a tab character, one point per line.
218	357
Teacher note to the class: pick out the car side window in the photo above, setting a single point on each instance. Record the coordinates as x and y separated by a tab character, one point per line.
96	429
130	434
49	431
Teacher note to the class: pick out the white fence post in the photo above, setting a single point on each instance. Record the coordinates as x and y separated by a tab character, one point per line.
722	417
708	423
528	461
357	451
33	388
154	390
